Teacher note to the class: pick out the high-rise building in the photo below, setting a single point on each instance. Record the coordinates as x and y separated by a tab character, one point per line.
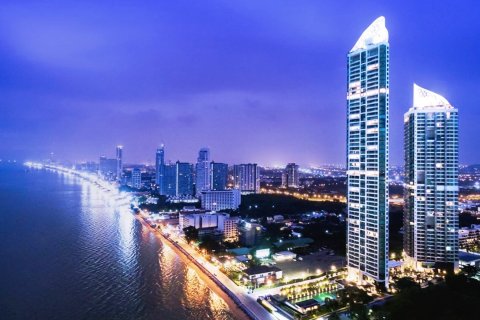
290	177
218	176
160	168
202	171
246	178
108	168
431	181
169	180
221	200
119	157
367	155
136	178
184	179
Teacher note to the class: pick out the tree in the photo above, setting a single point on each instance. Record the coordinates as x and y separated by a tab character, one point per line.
406	283
359	311
191	234
469	271
210	244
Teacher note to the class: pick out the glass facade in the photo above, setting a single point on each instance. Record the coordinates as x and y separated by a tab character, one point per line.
367	156
184	179
219	176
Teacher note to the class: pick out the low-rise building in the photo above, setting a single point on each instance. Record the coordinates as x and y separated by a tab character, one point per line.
468	259
258	275
284	256
469	236
229	227
250	234
211	224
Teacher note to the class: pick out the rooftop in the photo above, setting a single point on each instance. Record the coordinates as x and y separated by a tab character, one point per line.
260	269
374	34
467	256
423	98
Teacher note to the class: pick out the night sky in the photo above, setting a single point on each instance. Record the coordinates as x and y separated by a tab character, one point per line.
257	81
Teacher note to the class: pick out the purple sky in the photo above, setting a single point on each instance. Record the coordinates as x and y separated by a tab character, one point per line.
258	81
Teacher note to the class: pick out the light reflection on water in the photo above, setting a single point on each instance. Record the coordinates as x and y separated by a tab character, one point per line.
80	256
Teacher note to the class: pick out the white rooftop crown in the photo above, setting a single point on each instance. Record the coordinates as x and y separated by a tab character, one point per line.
375	33
423	98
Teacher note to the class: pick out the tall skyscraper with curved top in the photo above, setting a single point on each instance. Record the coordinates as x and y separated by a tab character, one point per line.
367	155
431	182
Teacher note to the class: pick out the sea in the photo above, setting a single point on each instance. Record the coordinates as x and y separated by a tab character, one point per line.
68	250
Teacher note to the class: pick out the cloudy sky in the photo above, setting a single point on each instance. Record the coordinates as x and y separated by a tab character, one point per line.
258	81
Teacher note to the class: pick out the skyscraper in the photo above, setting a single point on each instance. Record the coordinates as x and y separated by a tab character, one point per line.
202	171
290	177
431	181
136	178
367	155
184	179
246	177
218	176
169	183
160	168
119	157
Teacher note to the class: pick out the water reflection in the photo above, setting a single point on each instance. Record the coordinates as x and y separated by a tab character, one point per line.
88	258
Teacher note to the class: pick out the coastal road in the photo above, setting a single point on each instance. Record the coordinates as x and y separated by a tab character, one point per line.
241	293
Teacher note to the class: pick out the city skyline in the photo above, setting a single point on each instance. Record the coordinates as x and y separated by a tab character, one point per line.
53	100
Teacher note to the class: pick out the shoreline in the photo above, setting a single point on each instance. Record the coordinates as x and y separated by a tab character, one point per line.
238	302
209	280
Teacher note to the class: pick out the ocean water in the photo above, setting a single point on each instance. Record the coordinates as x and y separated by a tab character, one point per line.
68	251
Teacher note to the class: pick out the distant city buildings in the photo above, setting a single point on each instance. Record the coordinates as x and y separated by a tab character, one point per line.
202	171
119	157
169	186
367	156
111	169
184	179
136	178
431	181
290	178
218	176
221	200
160	168
246	178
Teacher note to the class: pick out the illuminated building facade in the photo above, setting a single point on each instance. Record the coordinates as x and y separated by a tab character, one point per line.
367	156
160	168
202	171
431	181
290	178
247	178
218	176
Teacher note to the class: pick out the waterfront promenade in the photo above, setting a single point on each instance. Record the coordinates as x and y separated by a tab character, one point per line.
238	294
